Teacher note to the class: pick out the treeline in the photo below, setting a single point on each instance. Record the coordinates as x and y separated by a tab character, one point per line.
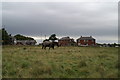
108	45
52	38
8	39
21	37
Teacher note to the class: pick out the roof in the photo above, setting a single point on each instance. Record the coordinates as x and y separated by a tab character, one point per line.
65	38
85	38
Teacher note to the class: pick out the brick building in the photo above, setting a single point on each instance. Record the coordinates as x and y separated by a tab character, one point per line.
66	41
86	41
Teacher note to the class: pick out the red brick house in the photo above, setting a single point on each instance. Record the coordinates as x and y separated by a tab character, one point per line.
66	41
86	41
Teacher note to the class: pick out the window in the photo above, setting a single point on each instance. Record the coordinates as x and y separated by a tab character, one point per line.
93	40
84	40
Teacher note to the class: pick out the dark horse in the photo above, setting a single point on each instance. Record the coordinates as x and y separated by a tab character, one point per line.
49	44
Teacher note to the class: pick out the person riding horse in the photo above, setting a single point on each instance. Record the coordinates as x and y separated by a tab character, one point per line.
49	44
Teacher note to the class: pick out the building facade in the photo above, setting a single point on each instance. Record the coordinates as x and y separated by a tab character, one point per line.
66	41
25	42
86	41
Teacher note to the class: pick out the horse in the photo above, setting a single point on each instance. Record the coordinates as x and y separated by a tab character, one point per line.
56	44
49	44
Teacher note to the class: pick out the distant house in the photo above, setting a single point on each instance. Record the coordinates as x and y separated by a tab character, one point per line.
86	41
24	42
66	41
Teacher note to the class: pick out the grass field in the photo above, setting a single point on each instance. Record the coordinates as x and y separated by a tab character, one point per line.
62	62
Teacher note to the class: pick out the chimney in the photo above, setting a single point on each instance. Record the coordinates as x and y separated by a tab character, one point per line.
91	36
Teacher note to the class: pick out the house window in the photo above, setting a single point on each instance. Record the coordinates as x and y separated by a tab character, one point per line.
84	40
92	40
79	44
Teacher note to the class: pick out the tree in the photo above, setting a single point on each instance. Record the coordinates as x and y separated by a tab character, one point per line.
5	37
21	37
0	36
114	44
53	37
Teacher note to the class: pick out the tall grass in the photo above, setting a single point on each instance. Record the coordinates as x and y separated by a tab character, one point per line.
62	62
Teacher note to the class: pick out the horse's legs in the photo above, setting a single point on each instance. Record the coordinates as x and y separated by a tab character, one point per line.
57	45
42	47
45	47
53	47
49	47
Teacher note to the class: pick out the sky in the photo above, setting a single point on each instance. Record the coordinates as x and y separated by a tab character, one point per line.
74	19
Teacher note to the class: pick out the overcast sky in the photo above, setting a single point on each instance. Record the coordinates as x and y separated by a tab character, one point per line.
73	19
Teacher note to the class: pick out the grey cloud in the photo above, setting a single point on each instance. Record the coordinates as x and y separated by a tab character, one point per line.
74	19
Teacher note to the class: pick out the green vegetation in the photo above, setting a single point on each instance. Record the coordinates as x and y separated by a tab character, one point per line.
8	39
62	62
21	37
0	62
5	37
53	37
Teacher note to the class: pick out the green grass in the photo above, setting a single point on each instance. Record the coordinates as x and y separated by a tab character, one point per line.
62	62
0	62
